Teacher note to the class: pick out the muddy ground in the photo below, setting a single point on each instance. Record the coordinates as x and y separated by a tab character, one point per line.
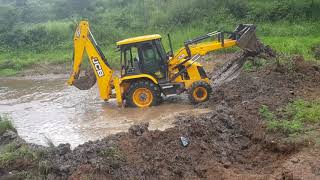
228	142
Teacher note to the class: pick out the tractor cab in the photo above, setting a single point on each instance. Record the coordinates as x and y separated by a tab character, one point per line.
143	55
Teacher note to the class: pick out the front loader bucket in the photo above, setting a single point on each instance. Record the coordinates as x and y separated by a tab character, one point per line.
246	37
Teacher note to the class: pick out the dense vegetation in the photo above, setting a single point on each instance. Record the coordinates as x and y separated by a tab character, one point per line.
34	31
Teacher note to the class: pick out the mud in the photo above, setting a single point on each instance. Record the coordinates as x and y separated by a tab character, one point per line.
216	141
228	141
274	86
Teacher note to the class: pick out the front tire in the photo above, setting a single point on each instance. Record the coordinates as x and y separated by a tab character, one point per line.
143	94
199	92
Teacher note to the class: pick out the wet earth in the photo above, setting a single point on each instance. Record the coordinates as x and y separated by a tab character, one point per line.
44	107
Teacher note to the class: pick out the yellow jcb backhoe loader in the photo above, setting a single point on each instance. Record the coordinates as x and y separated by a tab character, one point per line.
147	71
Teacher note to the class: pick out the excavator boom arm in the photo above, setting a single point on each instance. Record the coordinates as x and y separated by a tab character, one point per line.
243	36
101	70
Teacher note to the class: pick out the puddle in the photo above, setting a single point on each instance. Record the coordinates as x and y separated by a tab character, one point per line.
43	107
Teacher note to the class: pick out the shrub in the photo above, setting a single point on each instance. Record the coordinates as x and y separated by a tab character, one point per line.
5	125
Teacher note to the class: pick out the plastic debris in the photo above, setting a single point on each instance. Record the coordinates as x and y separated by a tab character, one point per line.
184	141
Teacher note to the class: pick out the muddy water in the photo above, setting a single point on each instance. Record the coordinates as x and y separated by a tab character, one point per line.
45	107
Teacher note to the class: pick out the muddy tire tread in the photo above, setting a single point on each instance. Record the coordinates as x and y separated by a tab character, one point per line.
143	84
195	85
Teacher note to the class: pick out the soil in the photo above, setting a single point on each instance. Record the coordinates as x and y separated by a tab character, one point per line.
228	142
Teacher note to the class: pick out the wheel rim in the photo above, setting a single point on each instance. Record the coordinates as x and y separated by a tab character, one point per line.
200	94
142	97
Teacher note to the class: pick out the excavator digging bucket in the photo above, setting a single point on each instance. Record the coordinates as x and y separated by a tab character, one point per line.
246	37
87	81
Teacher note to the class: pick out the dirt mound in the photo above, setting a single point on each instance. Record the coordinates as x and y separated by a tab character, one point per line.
274	86
216	141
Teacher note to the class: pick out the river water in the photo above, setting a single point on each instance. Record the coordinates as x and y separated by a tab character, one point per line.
45	107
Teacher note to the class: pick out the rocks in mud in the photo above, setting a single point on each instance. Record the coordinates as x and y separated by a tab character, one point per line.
139	129
63	149
10	136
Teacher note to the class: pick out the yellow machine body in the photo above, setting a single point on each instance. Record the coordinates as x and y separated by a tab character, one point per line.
111	86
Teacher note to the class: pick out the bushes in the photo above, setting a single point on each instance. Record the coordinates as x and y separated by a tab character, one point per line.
290	10
38	39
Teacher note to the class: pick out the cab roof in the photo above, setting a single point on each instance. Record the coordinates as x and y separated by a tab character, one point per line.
138	39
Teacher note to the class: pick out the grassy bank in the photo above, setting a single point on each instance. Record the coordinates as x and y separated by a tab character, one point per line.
284	37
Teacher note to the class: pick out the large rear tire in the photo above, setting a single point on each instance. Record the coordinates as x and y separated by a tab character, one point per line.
143	94
199	92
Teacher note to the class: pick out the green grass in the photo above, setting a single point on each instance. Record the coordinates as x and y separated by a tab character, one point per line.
298	116
10	154
291	38
14	152
293	45
254	65
8	72
285	37
13	62
5	124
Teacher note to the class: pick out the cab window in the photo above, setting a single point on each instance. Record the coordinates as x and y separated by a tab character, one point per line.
151	59
131	60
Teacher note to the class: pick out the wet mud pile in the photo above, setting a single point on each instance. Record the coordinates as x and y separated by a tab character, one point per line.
229	142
